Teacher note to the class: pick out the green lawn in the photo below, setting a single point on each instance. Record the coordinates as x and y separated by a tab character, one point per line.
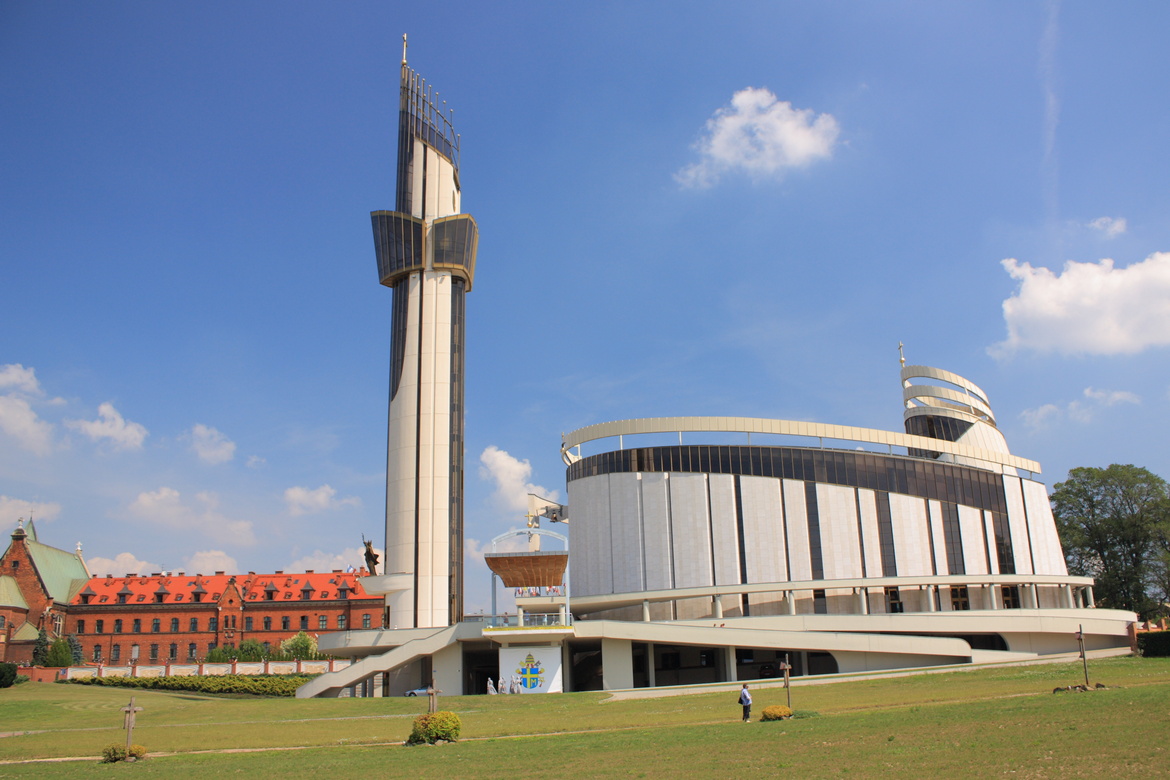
975	723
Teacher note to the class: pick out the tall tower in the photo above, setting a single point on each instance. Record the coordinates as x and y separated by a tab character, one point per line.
426	255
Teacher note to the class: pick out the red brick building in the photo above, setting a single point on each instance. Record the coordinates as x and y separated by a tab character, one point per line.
166	616
36	581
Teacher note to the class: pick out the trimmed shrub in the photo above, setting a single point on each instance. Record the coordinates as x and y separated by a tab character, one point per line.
776	712
254	685
7	675
430	729
114	753
1154	645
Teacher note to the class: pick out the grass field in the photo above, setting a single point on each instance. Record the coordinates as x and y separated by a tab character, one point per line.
973	723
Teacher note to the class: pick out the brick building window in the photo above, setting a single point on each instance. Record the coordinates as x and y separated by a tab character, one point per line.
118	626
174	625
174	652
284	623
194	624
100	626
322	622
366	620
115	653
154	652
155	626
80	626
267	624
304	622
341	622
97	654
248	623
58	623
191	651
137	625
213	624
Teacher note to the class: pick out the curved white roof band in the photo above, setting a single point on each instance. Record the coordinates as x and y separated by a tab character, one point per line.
845	433
929	372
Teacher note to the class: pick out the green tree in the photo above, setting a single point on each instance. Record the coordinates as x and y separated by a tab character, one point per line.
76	650
59	654
220	655
41	648
1113	524
250	650
301	646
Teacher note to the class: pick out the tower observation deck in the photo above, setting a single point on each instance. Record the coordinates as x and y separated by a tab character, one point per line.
426	254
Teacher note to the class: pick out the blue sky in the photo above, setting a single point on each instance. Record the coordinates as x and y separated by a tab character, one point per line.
685	208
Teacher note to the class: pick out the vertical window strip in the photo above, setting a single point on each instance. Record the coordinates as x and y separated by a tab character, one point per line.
814	531
952	539
886	534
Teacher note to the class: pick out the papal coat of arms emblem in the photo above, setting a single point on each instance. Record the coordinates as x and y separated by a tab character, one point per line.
530	673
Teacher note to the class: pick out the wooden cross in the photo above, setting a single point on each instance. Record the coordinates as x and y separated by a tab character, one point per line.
130	710
433	695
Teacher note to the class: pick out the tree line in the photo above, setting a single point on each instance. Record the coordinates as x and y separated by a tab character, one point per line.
1114	525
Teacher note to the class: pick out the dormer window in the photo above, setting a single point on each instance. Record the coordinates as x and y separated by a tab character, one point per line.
121	599
197	597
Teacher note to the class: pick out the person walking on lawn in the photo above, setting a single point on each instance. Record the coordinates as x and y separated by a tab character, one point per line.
745	699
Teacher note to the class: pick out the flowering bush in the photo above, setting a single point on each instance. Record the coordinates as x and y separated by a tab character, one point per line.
434	727
776	712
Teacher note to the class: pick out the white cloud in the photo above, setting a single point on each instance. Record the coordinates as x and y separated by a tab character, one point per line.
255	462
319	560
511	477
120	565
211	446
16	377
1112	397
1110	226
165	506
1081	411
20	422
759	135
302	501
13	508
209	562
1090	308
111	426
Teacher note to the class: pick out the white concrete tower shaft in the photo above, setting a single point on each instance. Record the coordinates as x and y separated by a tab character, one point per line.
426	254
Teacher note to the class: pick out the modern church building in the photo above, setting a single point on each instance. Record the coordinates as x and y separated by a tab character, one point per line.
702	549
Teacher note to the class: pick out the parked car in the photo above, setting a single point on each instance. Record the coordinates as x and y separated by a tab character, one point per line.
417	692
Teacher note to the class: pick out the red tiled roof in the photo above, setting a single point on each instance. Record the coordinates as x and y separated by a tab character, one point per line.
181	588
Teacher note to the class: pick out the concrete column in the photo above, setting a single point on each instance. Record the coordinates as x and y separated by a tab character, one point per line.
1069	601
730	673
862	601
519	616
561	613
790	602
992	596
717	607
645	611
650	678
929	591
1089	597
